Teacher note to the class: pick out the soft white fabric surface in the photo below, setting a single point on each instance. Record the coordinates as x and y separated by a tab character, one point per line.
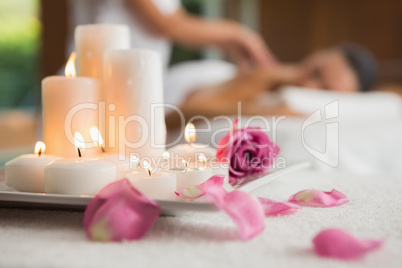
40	238
368	106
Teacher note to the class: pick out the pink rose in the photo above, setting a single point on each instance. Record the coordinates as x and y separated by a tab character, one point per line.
249	151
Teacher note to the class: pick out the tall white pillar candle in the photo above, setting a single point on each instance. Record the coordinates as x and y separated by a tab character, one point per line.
68	105
133	84
92	41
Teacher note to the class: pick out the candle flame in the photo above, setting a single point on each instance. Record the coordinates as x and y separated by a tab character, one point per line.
96	136
185	163
166	154
135	159
79	142
189	132
202	158
70	66
40	148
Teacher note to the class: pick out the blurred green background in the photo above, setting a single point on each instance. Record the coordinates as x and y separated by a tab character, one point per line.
20	31
180	53
20	41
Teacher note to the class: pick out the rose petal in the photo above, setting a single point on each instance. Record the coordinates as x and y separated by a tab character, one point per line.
274	208
336	243
244	209
315	198
119	212
193	192
106	193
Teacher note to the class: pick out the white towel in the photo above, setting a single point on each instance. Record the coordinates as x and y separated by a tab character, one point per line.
352	106
37	238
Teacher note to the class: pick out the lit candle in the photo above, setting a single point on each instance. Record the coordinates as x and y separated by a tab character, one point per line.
197	161
120	161
187	177
195	154
133	170
158	185
25	173
133	83
78	176
97	138
69	104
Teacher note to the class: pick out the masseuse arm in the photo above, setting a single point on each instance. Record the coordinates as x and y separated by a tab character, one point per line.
244	45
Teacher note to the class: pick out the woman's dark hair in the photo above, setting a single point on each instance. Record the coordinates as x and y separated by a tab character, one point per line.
363	64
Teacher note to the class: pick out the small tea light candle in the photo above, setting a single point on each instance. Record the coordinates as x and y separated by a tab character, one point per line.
132	171
187	177
26	172
121	162
78	176
191	152
158	185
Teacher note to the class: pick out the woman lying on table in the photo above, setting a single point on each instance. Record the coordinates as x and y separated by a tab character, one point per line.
342	68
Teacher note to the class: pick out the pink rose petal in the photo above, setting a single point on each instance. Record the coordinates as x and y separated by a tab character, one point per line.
273	208
119	212
315	198
106	193
336	243
193	192
244	209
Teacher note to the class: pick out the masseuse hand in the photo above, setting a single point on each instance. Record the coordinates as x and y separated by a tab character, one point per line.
246	47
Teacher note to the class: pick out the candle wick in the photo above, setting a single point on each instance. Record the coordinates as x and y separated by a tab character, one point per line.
40	152
79	152
149	172
103	149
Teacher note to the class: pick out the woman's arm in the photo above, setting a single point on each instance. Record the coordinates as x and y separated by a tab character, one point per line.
241	43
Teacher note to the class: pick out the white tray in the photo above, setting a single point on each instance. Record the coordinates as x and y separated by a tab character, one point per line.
174	207
58	201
